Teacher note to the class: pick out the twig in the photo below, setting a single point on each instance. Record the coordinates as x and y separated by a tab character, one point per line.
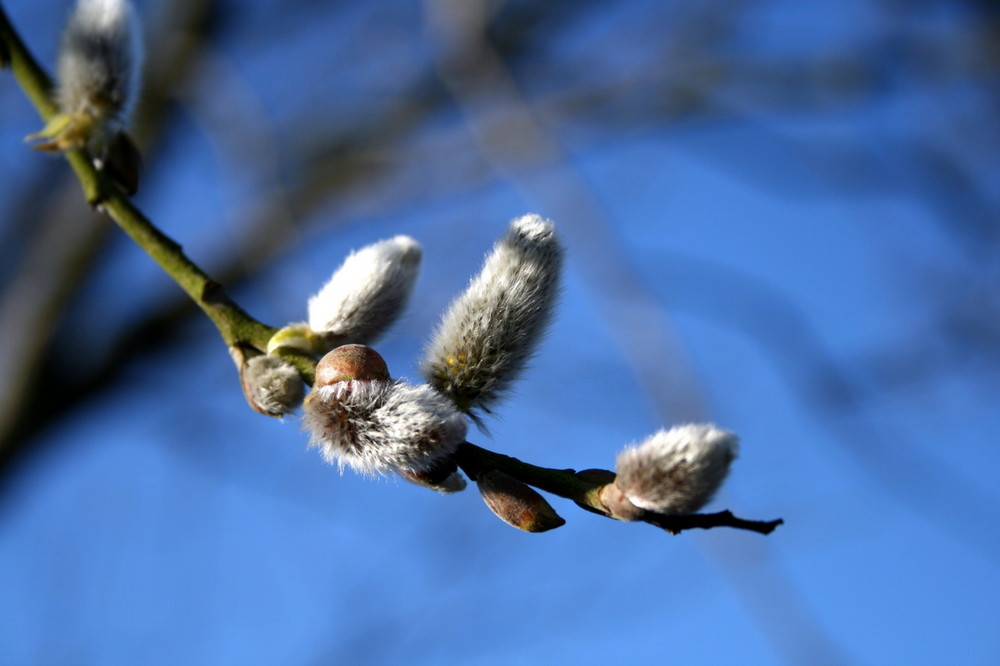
245	335
237	328
584	488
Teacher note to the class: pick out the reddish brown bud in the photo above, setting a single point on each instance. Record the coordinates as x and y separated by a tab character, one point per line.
516	503
618	505
350	362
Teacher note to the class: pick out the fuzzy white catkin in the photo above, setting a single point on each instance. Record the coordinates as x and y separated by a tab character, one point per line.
677	471
100	59
275	384
368	292
490	332
376	427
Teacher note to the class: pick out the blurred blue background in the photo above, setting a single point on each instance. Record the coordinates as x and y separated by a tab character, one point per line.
780	216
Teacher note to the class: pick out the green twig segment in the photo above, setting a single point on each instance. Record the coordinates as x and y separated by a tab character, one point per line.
33	80
475	460
235	325
238	329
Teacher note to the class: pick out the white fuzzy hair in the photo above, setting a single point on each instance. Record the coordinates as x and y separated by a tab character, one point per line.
376	427
275	384
677	471
490	332
367	293
100	59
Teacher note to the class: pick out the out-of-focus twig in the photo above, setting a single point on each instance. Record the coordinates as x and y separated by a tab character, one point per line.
64	238
236	327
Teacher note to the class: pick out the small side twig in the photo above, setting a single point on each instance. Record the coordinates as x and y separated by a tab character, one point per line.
584	488
704	521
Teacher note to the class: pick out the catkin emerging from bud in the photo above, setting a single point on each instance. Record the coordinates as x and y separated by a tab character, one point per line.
380	426
100	60
491	331
367	293
676	471
98	83
273	384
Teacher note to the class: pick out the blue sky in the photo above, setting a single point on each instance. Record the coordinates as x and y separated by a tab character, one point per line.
781	269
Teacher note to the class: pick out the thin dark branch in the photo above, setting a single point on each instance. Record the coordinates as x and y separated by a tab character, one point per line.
705	521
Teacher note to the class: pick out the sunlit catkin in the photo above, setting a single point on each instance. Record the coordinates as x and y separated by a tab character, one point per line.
357	416
367	293
676	471
490	331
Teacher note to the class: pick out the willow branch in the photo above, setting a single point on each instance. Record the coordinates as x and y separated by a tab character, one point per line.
237	328
585	487
242	333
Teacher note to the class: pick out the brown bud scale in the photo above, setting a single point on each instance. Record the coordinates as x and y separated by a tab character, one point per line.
516	503
349	362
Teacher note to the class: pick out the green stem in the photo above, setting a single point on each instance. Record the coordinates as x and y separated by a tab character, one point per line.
33	80
234	324
475	460
237	328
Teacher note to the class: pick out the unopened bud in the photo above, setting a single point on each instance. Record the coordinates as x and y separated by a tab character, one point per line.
123	162
98	78
349	362
516	503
